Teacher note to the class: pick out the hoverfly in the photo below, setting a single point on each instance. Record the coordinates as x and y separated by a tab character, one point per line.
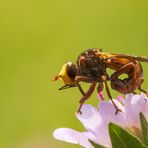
92	67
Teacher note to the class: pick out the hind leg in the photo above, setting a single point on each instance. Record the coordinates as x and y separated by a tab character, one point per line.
142	90
122	86
126	85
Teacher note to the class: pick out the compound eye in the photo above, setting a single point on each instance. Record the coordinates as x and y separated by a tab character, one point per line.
71	70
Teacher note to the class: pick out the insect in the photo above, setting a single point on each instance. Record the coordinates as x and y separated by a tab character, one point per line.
91	67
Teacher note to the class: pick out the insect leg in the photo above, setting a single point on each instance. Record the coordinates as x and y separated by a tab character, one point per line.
110	97
129	84
84	79
88	93
67	86
122	70
63	87
100	90
86	96
81	90
144	91
134	92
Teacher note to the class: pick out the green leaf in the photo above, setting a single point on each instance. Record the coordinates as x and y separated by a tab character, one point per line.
96	145
144	126
120	138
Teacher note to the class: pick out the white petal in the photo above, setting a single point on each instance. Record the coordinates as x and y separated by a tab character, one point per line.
145	110
72	136
107	111
120	106
89	135
121	99
92	121
90	118
134	104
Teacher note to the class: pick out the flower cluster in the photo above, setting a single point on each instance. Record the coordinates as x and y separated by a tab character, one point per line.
96	121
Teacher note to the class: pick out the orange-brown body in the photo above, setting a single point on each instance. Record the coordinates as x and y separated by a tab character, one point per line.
92	67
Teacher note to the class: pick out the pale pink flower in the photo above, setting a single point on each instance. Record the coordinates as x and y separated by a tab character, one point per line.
96	121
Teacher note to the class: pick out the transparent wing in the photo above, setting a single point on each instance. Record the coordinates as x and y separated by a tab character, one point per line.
132	57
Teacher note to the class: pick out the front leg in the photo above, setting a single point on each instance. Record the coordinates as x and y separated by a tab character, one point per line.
83	79
87	95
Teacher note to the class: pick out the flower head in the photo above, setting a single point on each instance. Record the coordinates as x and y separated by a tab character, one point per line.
96	121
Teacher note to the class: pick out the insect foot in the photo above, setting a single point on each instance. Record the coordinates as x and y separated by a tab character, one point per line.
117	110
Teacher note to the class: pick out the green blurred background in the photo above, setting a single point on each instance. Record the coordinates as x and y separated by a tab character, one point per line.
36	39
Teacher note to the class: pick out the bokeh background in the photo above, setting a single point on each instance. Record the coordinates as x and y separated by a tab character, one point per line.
36	39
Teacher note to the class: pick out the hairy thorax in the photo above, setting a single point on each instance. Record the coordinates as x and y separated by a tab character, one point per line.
90	65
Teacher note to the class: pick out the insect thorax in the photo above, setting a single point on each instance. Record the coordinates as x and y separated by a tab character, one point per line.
90	65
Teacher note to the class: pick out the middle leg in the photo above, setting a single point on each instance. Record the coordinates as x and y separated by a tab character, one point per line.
100	91
109	94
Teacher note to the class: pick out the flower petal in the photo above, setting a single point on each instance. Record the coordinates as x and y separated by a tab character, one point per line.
121	99
90	116
134	104
72	136
145	112
93	122
90	136
101	96
107	112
